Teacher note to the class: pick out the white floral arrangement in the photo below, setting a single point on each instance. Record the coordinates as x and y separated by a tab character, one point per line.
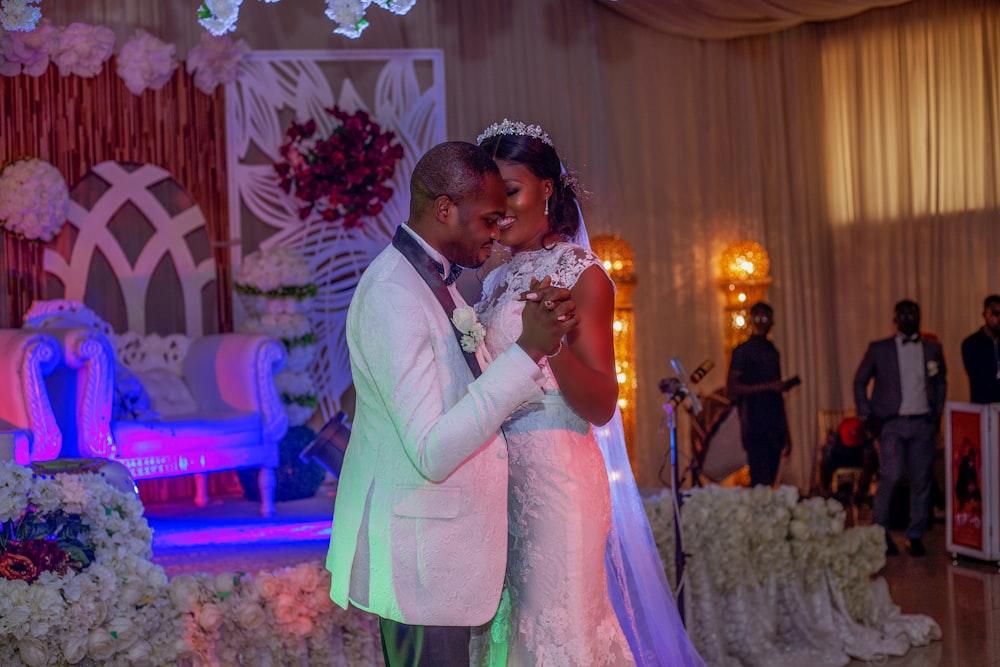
89	594
120	609
145	62
277	272
215	61
19	15
34	199
280	618
473	332
739	538
82	49
275	284
27	52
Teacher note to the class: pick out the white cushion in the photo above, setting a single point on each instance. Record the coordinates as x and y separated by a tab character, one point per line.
168	393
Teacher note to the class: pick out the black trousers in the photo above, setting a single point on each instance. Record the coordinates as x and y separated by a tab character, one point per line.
423	645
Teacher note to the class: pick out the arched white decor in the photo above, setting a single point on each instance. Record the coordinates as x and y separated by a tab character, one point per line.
162	212
403	91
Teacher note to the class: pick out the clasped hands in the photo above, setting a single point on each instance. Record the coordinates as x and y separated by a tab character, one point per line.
549	314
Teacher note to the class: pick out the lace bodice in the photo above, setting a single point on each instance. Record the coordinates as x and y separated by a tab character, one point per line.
498	310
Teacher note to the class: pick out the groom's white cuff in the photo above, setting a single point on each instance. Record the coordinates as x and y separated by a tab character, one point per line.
519	357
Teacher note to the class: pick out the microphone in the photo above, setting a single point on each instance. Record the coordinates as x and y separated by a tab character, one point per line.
684	393
702	371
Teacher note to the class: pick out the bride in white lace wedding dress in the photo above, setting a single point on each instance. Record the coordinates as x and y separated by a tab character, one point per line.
558	611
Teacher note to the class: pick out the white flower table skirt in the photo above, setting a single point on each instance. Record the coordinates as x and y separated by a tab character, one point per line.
772	581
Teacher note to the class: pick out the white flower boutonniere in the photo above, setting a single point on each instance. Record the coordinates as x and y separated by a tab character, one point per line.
464	319
932	368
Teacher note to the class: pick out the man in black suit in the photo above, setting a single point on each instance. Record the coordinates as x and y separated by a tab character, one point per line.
904	410
981	355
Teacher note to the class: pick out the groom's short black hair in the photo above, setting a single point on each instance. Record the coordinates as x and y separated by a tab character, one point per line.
455	169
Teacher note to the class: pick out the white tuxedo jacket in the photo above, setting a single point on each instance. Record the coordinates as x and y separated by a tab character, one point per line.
421	509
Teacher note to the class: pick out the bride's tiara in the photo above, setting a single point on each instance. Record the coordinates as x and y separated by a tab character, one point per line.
513	127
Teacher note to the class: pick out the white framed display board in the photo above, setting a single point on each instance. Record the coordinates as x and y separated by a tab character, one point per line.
972	475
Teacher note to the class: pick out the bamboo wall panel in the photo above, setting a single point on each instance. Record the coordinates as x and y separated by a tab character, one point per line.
76	123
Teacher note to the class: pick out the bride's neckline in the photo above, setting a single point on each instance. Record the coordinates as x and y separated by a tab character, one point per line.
515	255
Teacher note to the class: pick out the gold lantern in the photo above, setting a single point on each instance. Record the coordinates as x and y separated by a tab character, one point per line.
619	262
743	279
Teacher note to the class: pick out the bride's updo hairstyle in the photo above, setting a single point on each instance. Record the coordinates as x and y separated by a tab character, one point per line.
529	145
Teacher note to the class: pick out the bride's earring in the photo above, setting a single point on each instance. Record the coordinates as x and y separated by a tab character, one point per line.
546	206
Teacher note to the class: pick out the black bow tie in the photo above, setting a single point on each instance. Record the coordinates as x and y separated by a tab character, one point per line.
911	339
453	274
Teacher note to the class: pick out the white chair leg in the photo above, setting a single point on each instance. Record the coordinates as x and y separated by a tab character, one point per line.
265	484
201	489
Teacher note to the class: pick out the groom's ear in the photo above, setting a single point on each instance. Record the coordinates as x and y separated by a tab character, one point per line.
443	206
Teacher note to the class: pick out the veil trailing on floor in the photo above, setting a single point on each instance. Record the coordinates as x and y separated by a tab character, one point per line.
637	583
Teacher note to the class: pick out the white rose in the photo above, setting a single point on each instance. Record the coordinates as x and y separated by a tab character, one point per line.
209	617
932	368
268	585
140	654
464	318
122	629
33	652
286	609
131	593
799	529
249	615
301	627
184	592
224	583
74	648
100	644
305	577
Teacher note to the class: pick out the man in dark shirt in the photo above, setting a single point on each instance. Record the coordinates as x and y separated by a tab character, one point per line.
981	355
755	384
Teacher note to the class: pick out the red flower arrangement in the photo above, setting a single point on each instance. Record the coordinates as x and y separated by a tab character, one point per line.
343	176
32	544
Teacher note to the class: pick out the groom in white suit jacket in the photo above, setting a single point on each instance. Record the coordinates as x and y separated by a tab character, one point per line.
419	533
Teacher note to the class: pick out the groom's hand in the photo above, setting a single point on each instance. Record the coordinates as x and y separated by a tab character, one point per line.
548	316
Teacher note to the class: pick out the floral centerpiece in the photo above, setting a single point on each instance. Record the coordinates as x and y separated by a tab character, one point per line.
76	583
34	199
275	285
341	177
77	587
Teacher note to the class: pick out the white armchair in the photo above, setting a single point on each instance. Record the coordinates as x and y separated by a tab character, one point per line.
27	422
213	404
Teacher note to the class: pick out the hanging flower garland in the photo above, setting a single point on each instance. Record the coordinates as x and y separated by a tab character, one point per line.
341	177
34	199
220	16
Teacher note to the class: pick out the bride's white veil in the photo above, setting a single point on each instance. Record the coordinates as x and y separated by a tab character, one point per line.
637	583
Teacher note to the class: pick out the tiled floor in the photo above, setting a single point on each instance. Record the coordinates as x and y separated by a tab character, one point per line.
964	599
229	535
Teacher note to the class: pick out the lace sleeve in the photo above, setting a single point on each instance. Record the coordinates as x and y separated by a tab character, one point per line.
571	261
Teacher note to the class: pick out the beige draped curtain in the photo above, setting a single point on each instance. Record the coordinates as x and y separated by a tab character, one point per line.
725	19
861	152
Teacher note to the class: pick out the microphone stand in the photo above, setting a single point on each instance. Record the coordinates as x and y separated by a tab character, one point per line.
676	391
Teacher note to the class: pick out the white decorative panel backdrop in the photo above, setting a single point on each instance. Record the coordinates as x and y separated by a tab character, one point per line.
136	241
403	91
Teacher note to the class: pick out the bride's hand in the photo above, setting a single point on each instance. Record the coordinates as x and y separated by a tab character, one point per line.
553	298
548	316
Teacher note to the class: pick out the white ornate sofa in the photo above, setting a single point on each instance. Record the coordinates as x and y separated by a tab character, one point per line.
213	405
28	427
